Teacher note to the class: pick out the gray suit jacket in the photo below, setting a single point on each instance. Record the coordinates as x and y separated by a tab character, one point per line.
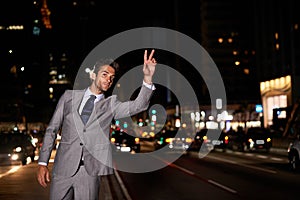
90	140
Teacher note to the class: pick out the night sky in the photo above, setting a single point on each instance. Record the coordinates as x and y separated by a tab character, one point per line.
77	29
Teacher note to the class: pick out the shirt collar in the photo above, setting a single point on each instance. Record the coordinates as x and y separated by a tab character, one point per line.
88	92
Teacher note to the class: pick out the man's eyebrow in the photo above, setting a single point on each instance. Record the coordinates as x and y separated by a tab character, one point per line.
105	71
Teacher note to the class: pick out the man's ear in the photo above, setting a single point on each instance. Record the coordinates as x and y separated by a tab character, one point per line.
92	75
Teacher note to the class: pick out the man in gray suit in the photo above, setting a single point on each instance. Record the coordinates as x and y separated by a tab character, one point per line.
84	153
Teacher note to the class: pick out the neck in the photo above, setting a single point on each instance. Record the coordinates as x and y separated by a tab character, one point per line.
95	90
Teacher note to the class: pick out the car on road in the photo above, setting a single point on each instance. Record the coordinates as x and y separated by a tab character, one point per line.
163	138
236	140
199	138
38	137
125	142
180	143
218	139
258	138
16	147
208	140
173	139
294	154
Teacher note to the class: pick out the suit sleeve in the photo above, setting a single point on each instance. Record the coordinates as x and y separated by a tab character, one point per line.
129	108
51	131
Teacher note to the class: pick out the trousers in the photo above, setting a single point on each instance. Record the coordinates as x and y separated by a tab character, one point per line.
81	186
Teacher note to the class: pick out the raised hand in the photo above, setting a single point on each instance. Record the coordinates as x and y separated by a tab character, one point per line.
149	66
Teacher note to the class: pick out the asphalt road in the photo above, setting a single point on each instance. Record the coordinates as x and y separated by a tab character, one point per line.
230	175
224	175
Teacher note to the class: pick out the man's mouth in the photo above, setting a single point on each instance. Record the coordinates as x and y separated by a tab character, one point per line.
106	84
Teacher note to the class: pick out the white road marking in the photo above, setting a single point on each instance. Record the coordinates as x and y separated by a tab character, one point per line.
222	186
12	170
207	180
123	187
276	159
183	169
261	156
244	165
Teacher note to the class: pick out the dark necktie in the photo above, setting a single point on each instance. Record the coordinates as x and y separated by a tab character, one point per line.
87	109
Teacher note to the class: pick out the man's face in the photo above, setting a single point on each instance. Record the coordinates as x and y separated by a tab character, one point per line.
104	78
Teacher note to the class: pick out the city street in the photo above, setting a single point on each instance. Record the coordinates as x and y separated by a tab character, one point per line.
230	175
226	175
223	81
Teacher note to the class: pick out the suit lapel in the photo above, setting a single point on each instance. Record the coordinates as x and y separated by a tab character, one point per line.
77	99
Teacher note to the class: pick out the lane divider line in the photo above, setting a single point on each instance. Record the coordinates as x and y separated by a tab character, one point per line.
214	183
243	165
222	186
122	185
191	173
276	159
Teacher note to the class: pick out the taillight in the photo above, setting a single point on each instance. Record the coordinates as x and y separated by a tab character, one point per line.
205	138
226	139
168	140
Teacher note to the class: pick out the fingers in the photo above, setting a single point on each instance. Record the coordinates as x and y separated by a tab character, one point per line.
48	177
42	181
145	56
43	176
151	54
146	59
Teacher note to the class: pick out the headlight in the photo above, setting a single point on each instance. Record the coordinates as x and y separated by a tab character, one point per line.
15	157
188	140
290	146
168	140
18	149
34	141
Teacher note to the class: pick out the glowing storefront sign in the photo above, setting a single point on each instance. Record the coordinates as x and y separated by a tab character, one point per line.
275	93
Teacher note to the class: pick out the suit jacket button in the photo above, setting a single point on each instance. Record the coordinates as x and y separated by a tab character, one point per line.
81	144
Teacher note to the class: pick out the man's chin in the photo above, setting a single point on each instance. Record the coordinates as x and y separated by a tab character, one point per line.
104	89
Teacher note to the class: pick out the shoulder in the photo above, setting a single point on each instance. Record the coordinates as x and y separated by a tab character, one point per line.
69	94
111	99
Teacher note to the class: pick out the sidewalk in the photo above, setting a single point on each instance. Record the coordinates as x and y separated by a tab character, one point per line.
23	185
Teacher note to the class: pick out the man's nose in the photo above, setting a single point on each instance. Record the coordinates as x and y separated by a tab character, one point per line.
109	79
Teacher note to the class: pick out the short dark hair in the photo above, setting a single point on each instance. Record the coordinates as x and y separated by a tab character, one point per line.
105	61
